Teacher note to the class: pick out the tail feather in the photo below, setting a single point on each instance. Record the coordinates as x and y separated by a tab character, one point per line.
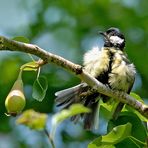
68	91
67	97
91	119
64	100
66	103
75	119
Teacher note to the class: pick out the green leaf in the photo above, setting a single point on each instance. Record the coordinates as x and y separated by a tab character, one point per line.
106	146
108	108
138	128
39	88
95	143
66	113
141	117
101	146
33	120
21	39
137	97
117	134
127	143
30	66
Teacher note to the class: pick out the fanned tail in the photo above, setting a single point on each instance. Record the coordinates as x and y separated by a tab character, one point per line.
65	98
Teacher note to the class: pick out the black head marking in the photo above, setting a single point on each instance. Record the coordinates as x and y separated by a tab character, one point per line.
114	38
113	30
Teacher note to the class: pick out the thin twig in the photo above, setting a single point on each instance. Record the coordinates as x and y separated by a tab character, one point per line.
50	139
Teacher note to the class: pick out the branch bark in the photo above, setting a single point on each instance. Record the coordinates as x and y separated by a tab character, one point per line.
8	44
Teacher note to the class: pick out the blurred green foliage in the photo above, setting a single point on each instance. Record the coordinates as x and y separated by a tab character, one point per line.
68	28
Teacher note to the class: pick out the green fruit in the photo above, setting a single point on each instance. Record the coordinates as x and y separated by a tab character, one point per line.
15	101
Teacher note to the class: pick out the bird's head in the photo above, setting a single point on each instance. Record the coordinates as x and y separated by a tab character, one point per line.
113	38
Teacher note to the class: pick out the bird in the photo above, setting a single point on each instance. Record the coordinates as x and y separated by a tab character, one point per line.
111	66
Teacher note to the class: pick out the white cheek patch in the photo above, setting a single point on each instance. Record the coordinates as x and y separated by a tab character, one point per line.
116	40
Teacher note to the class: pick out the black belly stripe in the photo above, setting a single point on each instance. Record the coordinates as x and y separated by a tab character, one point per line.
104	76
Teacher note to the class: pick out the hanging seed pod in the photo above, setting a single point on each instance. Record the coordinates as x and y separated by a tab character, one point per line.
15	101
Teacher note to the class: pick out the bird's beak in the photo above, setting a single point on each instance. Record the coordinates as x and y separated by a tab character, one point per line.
104	34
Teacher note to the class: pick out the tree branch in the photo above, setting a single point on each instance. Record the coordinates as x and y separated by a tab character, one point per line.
7	44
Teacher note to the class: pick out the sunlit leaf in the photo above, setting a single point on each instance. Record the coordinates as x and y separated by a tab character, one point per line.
142	118
127	143
138	128
39	88
32	119
108	108
137	97
21	39
101	146
118	134
31	66
66	113
95	143
106	146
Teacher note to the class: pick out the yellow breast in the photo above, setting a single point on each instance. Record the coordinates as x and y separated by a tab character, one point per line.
123	74
96	61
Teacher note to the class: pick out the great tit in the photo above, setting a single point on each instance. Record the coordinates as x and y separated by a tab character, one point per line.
109	65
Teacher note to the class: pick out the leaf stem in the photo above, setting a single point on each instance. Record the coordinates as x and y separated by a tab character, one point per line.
135	140
49	138
20	75
31	57
38	74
